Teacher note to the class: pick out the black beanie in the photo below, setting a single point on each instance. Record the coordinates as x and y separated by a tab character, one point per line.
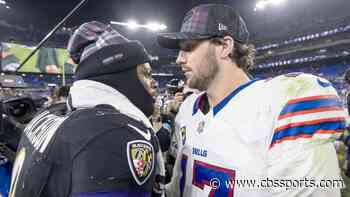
105	56
112	59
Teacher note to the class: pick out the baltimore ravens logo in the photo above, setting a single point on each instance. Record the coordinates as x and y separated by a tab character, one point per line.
141	160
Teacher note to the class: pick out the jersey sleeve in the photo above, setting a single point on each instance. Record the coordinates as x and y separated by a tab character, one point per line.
310	118
114	164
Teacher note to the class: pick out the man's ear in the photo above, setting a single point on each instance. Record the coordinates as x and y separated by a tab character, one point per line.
227	46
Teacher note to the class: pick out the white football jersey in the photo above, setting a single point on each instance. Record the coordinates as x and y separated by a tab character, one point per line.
264	136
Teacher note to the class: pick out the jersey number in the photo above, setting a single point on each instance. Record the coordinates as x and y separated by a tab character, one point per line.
221	180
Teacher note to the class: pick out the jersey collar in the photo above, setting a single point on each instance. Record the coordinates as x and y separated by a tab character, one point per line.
224	102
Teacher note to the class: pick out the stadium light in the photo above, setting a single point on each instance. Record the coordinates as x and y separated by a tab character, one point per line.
156	27
133	25
261	5
2	2
152	26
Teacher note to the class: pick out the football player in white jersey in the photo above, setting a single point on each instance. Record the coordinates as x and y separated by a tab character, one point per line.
243	137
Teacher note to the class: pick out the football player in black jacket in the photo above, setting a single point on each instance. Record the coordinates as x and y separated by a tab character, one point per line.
104	146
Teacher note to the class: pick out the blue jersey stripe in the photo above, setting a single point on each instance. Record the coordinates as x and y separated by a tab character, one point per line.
313	104
114	194
307	129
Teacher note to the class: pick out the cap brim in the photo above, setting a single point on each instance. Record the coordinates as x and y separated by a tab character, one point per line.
172	40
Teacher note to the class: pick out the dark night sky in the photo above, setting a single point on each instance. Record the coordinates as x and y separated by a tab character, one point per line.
45	14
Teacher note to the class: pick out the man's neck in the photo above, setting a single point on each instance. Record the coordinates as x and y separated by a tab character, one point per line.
225	83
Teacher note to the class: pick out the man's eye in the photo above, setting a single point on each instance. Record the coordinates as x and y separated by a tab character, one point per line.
188	47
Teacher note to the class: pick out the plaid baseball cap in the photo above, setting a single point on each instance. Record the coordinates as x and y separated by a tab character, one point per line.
207	21
91	37
98	49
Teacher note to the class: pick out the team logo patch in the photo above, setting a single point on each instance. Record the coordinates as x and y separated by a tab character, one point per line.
141	160
183	135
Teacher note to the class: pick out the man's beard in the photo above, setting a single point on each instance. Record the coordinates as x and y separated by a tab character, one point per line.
208	69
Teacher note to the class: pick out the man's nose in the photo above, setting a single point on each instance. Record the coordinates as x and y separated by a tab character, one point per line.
181	58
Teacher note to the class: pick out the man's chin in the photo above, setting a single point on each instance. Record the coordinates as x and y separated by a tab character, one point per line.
196	86
192	84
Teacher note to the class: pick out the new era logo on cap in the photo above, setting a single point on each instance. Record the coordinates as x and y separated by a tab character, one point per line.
206	21
222	27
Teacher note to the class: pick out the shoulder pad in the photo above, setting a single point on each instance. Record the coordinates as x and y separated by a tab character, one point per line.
294	84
